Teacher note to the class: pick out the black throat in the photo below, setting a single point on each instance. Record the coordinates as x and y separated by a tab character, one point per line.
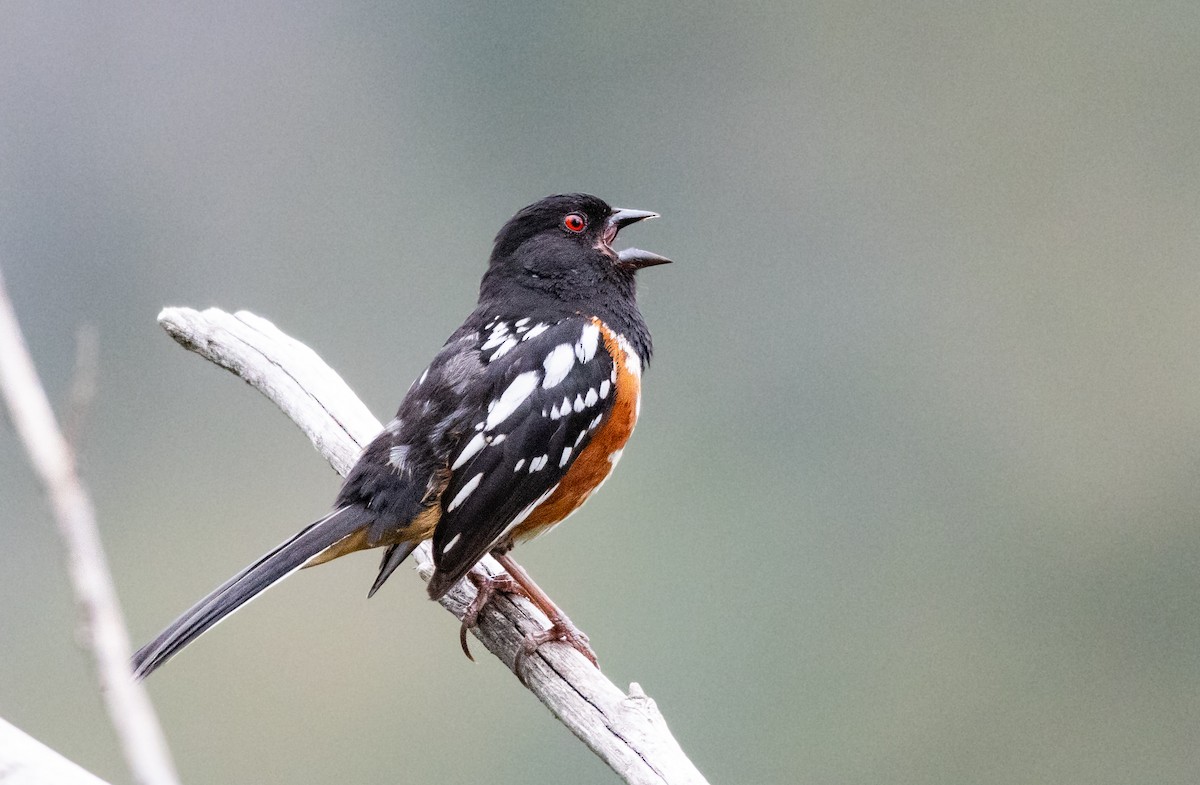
512	290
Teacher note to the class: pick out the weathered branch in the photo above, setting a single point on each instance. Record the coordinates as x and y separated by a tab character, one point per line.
53	460
626	731
26	761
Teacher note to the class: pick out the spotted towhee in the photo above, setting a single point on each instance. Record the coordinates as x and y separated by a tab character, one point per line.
518	419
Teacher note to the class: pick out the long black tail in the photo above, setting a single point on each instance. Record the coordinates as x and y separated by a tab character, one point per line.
248	584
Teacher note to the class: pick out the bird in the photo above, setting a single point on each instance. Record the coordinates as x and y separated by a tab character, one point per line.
517	420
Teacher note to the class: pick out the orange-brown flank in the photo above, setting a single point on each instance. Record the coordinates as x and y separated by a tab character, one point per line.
592	465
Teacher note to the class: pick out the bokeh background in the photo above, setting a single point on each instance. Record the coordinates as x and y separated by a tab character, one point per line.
914	496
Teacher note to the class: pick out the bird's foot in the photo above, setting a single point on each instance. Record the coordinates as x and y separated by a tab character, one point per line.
562	630
487	585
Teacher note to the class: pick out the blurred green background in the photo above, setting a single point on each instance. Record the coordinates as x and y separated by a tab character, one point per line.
914	495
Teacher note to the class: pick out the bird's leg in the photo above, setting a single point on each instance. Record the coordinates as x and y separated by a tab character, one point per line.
516	581
486	586
561	628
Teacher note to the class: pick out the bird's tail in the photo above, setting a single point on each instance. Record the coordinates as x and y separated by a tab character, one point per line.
301	549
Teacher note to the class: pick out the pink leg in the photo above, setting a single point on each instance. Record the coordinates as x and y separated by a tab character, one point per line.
561	628
487	585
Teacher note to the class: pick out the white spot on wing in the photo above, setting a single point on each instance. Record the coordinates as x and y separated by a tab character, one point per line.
558	364
499	335
520	463
446	548
397	454
578	403
511	398
605	386
566	456
475	445
591	398
462	495
503	349
535	331
585	349
524	320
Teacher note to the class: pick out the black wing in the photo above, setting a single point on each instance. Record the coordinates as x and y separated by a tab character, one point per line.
551	387
401	471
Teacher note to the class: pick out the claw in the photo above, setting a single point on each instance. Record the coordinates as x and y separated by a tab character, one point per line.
562	631
462	640
487	585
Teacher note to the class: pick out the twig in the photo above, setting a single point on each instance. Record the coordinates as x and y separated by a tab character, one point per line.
626	731
83	385
128	706
26	761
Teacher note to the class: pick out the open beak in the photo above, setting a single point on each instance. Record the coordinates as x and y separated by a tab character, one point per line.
631	258
636	258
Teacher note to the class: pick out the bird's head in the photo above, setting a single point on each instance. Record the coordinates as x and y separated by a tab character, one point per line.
569	236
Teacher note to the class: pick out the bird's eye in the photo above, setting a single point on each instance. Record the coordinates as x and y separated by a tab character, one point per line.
574	223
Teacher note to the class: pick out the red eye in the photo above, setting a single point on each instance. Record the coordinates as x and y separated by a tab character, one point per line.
574	223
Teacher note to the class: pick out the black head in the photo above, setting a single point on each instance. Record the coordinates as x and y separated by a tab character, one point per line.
554	259
563	244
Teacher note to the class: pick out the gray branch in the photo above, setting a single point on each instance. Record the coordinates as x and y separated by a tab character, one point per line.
627	731
104	631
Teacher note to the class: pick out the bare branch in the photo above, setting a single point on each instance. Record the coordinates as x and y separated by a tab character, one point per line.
26	761
83	385
128	706
626	731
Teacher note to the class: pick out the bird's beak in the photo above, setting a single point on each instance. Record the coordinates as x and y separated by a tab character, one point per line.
632	258
622	217
636	258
